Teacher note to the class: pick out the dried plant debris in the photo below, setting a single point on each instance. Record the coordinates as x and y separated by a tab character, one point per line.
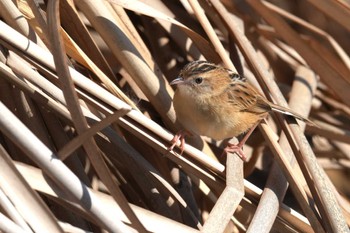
86	117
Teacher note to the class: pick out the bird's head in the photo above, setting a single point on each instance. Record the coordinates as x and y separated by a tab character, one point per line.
203	79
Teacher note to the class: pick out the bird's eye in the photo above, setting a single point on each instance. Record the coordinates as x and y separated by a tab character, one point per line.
198	80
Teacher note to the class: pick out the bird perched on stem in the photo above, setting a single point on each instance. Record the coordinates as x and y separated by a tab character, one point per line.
216	102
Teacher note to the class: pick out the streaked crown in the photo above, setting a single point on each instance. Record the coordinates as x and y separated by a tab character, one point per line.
204	68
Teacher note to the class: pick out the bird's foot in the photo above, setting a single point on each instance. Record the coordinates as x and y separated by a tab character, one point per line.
238	149
179	136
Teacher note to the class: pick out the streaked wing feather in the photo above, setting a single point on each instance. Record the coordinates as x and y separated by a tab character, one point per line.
246	98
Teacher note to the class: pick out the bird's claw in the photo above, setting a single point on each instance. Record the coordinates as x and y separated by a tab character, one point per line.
232	148
179	136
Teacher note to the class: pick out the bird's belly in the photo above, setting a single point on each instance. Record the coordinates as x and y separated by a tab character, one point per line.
226	127
222	128
206	123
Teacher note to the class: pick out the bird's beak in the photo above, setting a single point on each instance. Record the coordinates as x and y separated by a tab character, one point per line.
178	80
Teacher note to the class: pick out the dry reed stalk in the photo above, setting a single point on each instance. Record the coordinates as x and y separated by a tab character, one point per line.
277	184
78	132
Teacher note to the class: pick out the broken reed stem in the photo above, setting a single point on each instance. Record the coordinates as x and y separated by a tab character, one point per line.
227	203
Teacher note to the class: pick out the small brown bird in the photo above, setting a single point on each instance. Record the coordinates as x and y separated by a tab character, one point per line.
216	102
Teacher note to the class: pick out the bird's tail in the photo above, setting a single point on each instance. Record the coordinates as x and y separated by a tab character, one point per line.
289	112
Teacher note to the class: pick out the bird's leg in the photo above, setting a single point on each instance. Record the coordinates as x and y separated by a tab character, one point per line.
238	148
179	136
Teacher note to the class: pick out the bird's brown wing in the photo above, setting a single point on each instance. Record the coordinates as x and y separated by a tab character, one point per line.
245	97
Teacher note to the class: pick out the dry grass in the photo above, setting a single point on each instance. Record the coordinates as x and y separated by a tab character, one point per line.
86	117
